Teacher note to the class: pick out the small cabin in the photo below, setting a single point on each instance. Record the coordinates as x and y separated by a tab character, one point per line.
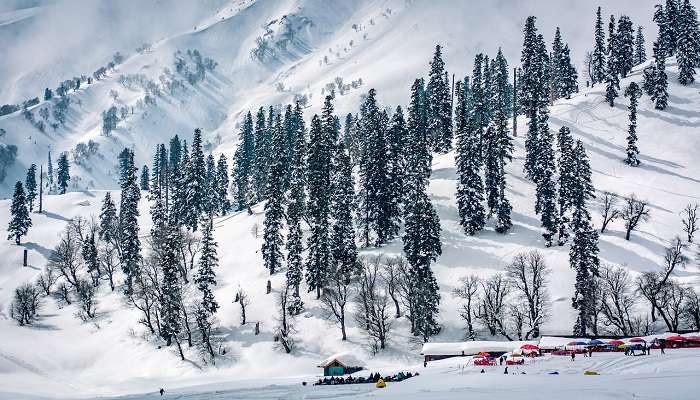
341	364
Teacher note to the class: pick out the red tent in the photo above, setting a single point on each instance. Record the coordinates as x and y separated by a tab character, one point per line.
637	340
484	354
616	342
693	338
529	347
676	338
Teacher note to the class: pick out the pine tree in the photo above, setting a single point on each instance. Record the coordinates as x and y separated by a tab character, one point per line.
195	183
396	168
179	182
109	223
295	213
479	102
262	155
19	215
223	205
211	187
673	21
171	289
48	94
245	165
470	188
640	53
90	257
422	246
273	240
612	70
30	184
343	247
688	43
158	190
598	60
418	155
204	280
634	93
144	178
438	105
546	191
128	236
625	45
583	254
318	180
569	76
556	73
49	172
63	175
660	81
175	154
567	180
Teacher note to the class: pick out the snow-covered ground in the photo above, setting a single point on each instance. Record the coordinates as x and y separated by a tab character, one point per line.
62	356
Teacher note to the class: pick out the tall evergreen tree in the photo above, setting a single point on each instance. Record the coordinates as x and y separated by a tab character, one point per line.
567	180
343	247
128	237
583	254
556	74
171	289
296	207
318	207
688	43
625	43
145	178
19	215
640	52
109	223
223	205
273	240
598	60
418	155
204	280
438	105
396	168
49	172
546	191
634	93
179	209
262	155
660	80
470	187
569	77
245	165
63	175
195	183
479	101
211	187
30	184
672	18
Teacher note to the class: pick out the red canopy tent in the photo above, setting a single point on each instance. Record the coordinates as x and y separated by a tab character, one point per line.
616	342
676	338
637	340
529	347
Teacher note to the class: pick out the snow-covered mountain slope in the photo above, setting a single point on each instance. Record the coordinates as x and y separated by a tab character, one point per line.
62	356
385	43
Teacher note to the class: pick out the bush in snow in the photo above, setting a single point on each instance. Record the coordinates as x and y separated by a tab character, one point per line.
25	304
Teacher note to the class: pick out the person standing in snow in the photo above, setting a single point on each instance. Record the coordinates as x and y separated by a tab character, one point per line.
162	392
573	356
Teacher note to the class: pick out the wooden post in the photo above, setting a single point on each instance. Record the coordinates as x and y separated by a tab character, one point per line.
41	187
257	328
25	257
269	286
515	102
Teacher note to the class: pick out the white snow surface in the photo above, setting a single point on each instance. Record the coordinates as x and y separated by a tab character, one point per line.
60	356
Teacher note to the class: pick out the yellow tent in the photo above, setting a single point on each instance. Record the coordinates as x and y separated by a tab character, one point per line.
381	384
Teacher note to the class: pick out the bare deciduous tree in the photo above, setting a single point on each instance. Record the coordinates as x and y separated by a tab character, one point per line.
109	261
373	313
634	212
25	304
65	258
86	292
243	301
690	220
392	277
335	298
493	307
692	310
618	302
468	292
608	209
529	276
46	280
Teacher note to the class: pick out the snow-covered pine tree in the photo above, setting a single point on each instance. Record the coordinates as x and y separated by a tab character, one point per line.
439	107
479	102
612	39
352	142
318	180
660	81
640	52
145	178
49	173
634	93
179	209
195	183
128	237
598	60
396	168
204	279
245	165
19	215
109	223
376	225
534	89
625	43
612	69
223	205
470	196
546	191
583	254
418	155
688	43
211	187
487	86
555	64
343	247
673	20
273	241
158	190
262	155
567	180
295	214
30	184
569	76
175	154
171	289
90	257
63	174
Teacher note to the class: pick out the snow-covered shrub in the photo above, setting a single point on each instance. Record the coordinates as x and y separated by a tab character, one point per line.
193	66
25	304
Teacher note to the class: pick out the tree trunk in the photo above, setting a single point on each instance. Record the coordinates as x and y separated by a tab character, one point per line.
179	348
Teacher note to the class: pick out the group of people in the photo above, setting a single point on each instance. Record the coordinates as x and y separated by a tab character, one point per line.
372	378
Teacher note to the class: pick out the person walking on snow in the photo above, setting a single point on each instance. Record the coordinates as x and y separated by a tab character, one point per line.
573	356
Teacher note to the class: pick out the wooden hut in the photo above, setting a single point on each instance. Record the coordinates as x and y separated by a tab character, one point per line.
341	364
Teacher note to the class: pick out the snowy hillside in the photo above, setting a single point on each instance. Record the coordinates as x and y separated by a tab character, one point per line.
385	44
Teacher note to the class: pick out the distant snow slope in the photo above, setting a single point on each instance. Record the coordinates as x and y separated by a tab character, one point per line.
63	356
